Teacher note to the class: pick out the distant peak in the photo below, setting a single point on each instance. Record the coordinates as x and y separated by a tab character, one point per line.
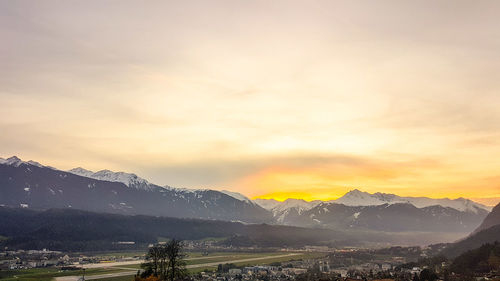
12	161
16	162
359	198
34	163
129	179
81	172
106	171
291	199
356	192
79	169
236	195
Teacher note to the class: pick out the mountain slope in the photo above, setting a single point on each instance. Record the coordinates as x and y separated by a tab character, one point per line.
489	235
487	232
36	186
491	220
387	217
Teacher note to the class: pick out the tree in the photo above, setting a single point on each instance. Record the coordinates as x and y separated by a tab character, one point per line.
152	264
165	261
176	266
428	275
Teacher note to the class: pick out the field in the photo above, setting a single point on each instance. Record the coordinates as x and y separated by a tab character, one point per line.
47	274
196	262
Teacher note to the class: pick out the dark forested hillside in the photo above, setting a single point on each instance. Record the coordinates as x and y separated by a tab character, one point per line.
75	230
481	260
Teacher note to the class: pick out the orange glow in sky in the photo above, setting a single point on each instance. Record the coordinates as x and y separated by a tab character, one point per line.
272	99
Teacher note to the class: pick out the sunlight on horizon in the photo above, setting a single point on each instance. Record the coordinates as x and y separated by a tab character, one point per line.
266	99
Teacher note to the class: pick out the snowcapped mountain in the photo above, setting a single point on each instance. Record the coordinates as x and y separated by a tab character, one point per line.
292	207
379	211
359	198
298	204
267	204
395	217
82	172
130	180
16	162
237	195
288	208
28	184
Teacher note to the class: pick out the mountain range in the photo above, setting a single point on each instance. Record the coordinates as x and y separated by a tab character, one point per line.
31	185
380	211
359	198
28	184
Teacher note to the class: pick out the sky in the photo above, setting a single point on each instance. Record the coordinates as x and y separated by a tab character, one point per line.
272	99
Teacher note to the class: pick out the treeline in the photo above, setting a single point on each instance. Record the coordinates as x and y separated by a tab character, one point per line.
75	230
475	262
482	260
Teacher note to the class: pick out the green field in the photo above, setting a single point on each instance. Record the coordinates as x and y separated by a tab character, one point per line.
122	278
216	257
47	274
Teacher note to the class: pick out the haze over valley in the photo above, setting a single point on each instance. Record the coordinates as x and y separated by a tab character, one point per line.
256	140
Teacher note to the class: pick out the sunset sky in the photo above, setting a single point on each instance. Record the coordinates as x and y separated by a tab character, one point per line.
273	99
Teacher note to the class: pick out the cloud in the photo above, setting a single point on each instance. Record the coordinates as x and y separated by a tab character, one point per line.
397	95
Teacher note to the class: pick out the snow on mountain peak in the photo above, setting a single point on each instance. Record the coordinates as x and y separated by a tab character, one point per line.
357	197
129	179
267	204
300	204
12	161
81	172
360	198
16	162
280	208
237	195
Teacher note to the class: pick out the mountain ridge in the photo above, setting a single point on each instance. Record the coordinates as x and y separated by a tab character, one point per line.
40	187
32	185
360	198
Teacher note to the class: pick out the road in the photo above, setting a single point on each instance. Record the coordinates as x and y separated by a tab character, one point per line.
127	273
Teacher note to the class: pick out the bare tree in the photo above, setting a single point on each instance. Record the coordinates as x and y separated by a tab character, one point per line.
176	269
152	266
166	261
